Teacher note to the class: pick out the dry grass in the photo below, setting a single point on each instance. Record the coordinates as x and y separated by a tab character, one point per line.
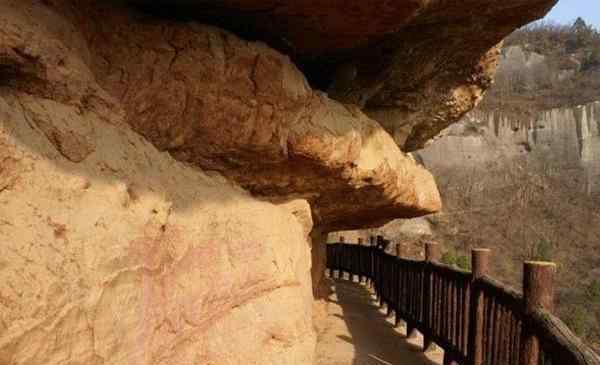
551	221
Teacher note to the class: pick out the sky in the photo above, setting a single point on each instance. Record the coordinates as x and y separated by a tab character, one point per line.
567	11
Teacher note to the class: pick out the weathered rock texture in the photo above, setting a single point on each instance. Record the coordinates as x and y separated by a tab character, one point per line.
547	144
114	252
160	179
417	66
130	257
242	109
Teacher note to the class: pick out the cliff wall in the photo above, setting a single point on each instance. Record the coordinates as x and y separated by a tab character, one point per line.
560	143
166	186
129	256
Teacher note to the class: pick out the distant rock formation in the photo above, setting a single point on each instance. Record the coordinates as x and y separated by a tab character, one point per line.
559	141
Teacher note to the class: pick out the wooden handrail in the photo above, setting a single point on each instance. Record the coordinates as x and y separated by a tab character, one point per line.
565	346
474	318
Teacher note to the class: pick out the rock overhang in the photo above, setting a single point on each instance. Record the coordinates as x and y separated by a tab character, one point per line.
220	103
416	66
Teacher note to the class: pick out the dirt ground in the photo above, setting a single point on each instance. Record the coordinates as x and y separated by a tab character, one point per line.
358	332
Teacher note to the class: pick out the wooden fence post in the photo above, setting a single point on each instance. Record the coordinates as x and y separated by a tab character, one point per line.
379	270
538	292
342	256
410	325
393	289
480	258
397	293
399	250
432	254
361	264
372	261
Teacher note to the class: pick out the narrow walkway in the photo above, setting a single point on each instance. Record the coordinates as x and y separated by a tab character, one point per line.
359	333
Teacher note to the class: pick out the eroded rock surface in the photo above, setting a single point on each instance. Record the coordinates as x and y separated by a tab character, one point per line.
558	144
416	66
161	182
115	252
129	256
224	104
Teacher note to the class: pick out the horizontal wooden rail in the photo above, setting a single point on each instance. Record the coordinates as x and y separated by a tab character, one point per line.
475	319
558	342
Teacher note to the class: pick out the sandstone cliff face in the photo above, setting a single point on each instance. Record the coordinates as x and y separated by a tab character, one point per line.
129	256
548	144
163	182
221	103
115	252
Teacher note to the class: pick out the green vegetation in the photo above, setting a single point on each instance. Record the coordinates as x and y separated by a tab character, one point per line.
542	251
593	292
449	257
577	320
452	258
463	262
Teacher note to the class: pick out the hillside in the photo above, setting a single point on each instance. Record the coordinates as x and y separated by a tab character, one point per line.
546	65
529	190
521	174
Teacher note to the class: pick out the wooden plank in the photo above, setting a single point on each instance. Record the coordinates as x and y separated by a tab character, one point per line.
496	334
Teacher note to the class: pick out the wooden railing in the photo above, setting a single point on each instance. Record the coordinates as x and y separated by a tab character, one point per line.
476	320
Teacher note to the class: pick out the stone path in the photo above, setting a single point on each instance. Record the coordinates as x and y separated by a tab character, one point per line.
357	332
